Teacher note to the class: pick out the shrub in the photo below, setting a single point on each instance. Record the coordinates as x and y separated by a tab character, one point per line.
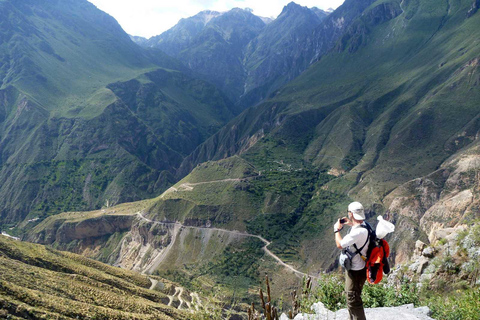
462	305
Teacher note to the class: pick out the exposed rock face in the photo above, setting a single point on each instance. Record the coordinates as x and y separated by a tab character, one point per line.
444	199
447	212
62	232
144	245
452	258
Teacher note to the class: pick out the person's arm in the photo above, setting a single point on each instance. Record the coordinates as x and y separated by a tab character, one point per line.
338	240
336	228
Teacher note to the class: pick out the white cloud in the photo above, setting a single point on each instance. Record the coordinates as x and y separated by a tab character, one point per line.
151	17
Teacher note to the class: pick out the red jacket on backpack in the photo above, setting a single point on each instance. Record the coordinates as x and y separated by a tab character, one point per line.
376	261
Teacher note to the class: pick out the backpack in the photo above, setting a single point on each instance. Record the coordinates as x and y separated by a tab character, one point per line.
377	254
346	256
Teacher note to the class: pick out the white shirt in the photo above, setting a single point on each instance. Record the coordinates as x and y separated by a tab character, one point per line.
357	235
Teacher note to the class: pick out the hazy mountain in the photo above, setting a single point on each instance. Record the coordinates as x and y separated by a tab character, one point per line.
139	40
212	44
272	58
86	115
320	13
240	52
178	38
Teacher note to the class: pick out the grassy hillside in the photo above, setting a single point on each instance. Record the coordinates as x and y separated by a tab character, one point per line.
87	116
395	98
41	283
401	91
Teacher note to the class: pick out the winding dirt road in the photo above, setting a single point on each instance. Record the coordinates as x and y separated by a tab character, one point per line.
178	225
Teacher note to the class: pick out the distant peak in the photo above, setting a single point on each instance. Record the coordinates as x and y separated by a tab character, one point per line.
241	11
208	15
292	7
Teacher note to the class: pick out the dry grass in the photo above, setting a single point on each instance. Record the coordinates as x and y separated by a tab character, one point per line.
39	283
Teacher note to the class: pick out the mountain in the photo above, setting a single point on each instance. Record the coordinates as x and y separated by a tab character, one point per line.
320	13
271	59
401	98
211	44
387	116
240	52
139	40
195	233
86	115
180	37
42	283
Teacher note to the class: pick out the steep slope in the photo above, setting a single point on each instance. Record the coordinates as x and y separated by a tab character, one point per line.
41	283
396	96
212	44
272	59
392	96
195	233
86	115
446	198
395	99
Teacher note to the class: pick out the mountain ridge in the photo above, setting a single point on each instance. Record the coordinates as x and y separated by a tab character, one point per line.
297	22
67	140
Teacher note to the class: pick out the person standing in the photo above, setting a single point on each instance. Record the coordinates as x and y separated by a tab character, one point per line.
356	241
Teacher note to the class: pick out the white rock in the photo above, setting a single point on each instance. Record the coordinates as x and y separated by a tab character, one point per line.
405	312
283	316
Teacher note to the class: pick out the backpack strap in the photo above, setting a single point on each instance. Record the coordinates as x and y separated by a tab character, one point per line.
359	251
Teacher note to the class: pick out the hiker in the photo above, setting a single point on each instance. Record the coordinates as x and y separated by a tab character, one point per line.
356	242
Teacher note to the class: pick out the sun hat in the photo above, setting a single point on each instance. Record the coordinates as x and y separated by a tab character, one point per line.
357	209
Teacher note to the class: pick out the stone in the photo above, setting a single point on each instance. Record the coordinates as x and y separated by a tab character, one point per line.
422	264
426	277
441	234
414	266
419	246
405	312
428	252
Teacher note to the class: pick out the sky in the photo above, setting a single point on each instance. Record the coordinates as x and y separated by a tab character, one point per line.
149	18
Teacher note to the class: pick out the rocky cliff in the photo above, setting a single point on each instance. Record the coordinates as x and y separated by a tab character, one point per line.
447	198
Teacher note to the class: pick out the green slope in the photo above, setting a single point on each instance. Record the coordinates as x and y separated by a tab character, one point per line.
385	106
87	116
396	96
394	99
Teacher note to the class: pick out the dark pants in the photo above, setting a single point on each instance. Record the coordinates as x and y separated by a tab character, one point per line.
354	281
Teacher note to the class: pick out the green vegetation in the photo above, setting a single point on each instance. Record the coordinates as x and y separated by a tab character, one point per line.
393	108
42	283
229	271
229	168
457	305
88	116
330	290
